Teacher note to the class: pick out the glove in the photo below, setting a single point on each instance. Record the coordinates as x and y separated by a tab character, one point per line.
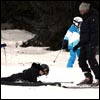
65	44
3	45
76	47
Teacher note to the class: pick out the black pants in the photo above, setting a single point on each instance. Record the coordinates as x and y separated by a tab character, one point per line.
12	78
88	53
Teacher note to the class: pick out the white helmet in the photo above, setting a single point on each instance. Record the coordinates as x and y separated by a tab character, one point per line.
77	21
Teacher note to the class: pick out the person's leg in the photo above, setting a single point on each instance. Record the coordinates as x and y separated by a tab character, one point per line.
83	60
11	78
92	61
8	79
71	59
78	52
84	67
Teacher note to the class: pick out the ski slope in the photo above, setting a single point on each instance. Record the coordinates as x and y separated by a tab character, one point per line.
17	59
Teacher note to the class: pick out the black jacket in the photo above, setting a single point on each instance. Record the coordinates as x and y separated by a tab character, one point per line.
89	28
32	73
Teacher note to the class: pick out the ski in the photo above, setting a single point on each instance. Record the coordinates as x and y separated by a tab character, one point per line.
31	83
80	87
26	83
68	85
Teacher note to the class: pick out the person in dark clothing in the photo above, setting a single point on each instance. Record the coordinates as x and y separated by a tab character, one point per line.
30	74
88	43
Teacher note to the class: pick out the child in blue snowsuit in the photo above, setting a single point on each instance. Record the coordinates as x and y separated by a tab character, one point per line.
73	37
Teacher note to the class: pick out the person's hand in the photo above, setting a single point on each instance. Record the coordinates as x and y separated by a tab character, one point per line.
75	48
65	44
3	45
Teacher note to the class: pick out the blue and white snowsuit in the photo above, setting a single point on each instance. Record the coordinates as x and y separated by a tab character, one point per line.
73	37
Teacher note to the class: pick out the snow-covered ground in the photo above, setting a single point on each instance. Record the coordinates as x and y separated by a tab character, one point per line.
18	59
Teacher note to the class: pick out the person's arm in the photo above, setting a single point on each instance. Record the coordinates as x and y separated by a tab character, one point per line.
34	74
93	31
67	37
30	74
69	32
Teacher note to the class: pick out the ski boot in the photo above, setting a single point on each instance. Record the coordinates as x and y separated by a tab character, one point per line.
95	83
88	80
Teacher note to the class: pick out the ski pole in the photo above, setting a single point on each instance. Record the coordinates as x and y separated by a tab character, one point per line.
59	52
5	56
57	55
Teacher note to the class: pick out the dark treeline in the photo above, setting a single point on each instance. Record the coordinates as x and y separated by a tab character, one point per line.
48	19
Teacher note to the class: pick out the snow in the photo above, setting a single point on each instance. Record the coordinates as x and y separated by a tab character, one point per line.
21	35
18	58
